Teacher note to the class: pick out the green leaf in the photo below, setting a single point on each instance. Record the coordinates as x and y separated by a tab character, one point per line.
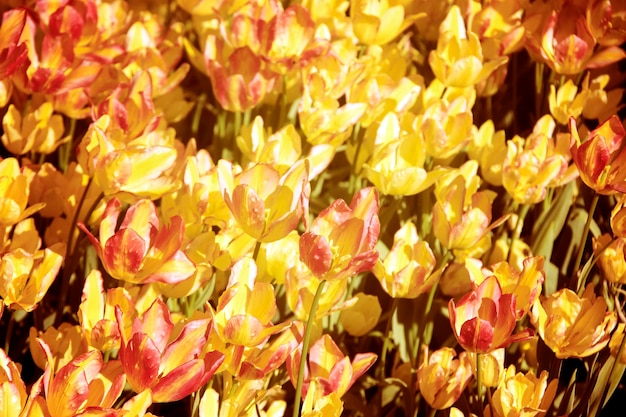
404	329
546	229
608	379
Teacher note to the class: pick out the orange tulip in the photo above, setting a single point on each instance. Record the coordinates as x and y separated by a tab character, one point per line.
340	242
328	365
141	250
601	157
484	319
171	369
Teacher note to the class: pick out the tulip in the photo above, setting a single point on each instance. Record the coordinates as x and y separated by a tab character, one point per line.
491	366
573	327
13	53
458	59
27	271
559	34
84	383
534	164
407	270
39	131
340	242
316	403
266	205
600	104
396	166
601	157
446	125
240	80
245	309
64	344
566	102
618	218
462	215
96	312
525	285
282	149
521	394
140	250
378	22
443	377
361	314
287	40
328	365
14	192
12	389
489	149
484	319
171	369
610	257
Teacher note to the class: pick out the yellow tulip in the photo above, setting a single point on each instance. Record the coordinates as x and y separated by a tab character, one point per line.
572	326
38	130
521	394
14	193
396	166
12	388
360	314
377	22
566	102
406	271
610	256
458	59
65	344
266	205
442	377
488	148
27	270
461	215
535	163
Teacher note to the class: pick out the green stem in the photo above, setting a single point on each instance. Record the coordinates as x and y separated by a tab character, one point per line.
422	324
257	249
538	89
305	347
66	148
519	225
479	383
583	239
197	115
68	269
386	340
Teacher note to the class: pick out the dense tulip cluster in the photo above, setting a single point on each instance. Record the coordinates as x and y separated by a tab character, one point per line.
224	208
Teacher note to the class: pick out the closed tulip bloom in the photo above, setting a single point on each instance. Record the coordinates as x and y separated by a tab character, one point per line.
610	255
573	327
340	242
443	378
406	271
171	367
12	388
328	365
484	319
458	60
601	157
141	250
